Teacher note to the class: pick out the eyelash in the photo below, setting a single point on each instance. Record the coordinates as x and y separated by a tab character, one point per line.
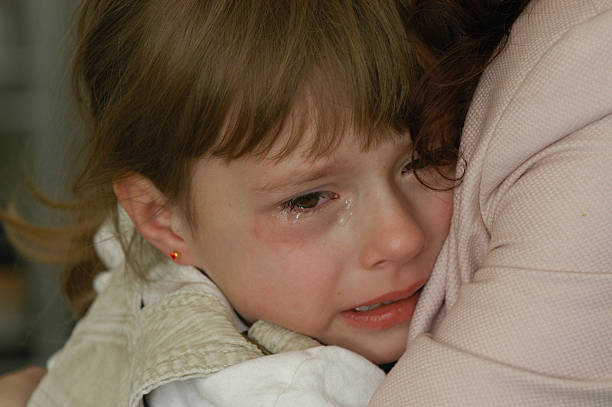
292	204
415	164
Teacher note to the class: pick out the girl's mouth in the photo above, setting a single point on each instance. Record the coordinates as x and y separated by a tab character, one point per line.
364	308
390	310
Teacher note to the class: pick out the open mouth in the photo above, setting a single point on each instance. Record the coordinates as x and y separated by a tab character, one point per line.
390	310
391	298
365	308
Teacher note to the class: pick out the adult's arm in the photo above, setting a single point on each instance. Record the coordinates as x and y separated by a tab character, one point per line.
17	387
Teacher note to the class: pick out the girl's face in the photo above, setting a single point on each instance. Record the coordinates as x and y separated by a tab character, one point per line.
336	248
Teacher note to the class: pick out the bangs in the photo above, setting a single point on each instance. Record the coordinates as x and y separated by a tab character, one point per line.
169	82
327	67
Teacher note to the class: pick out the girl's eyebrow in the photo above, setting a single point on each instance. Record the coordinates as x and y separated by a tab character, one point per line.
297	178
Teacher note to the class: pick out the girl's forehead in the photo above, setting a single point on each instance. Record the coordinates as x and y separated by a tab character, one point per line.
312	153
315	119
312	135
268	175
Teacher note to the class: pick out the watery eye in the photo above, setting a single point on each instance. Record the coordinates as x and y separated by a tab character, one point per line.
412	165
309	201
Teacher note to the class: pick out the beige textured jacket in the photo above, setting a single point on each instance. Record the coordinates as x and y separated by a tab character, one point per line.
120	350
518	311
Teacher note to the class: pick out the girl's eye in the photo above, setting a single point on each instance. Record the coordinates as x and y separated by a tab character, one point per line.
415	164
306	201
309	201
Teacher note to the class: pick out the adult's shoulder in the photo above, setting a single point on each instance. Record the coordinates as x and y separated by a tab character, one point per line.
551	79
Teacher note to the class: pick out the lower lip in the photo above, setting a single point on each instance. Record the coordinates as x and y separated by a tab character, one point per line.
384	316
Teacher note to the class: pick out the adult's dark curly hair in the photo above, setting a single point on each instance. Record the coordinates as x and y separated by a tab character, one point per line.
455	40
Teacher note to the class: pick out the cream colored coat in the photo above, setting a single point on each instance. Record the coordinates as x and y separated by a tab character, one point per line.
175	338
518	311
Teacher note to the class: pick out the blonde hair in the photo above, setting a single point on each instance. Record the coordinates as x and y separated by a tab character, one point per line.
162	83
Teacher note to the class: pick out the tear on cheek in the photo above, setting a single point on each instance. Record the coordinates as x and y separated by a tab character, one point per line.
346	213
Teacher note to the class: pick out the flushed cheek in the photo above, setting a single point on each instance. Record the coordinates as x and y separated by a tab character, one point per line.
308	257
445	210
277	229
296	304
444	201
295	280
436	211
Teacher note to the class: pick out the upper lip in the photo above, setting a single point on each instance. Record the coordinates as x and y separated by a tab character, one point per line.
394	295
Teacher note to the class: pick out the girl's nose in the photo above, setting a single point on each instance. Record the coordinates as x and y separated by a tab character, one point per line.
394	237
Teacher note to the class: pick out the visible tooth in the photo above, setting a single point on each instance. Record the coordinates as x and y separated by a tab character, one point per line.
364	308
367	307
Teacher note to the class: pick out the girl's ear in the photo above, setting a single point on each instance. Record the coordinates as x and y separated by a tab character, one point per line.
156	221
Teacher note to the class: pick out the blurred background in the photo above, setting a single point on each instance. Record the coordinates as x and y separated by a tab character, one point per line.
38	134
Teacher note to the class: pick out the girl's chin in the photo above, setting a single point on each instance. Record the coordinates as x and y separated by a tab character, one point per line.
383	360
381	356
378	346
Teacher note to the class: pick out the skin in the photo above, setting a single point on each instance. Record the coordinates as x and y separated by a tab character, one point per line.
17	387
268	234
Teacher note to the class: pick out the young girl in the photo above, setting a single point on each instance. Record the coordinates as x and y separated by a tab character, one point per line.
248	162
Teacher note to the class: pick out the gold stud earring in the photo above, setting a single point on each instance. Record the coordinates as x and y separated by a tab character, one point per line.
175	255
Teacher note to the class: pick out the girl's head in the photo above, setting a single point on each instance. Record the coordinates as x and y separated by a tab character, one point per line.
164	83
266	142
